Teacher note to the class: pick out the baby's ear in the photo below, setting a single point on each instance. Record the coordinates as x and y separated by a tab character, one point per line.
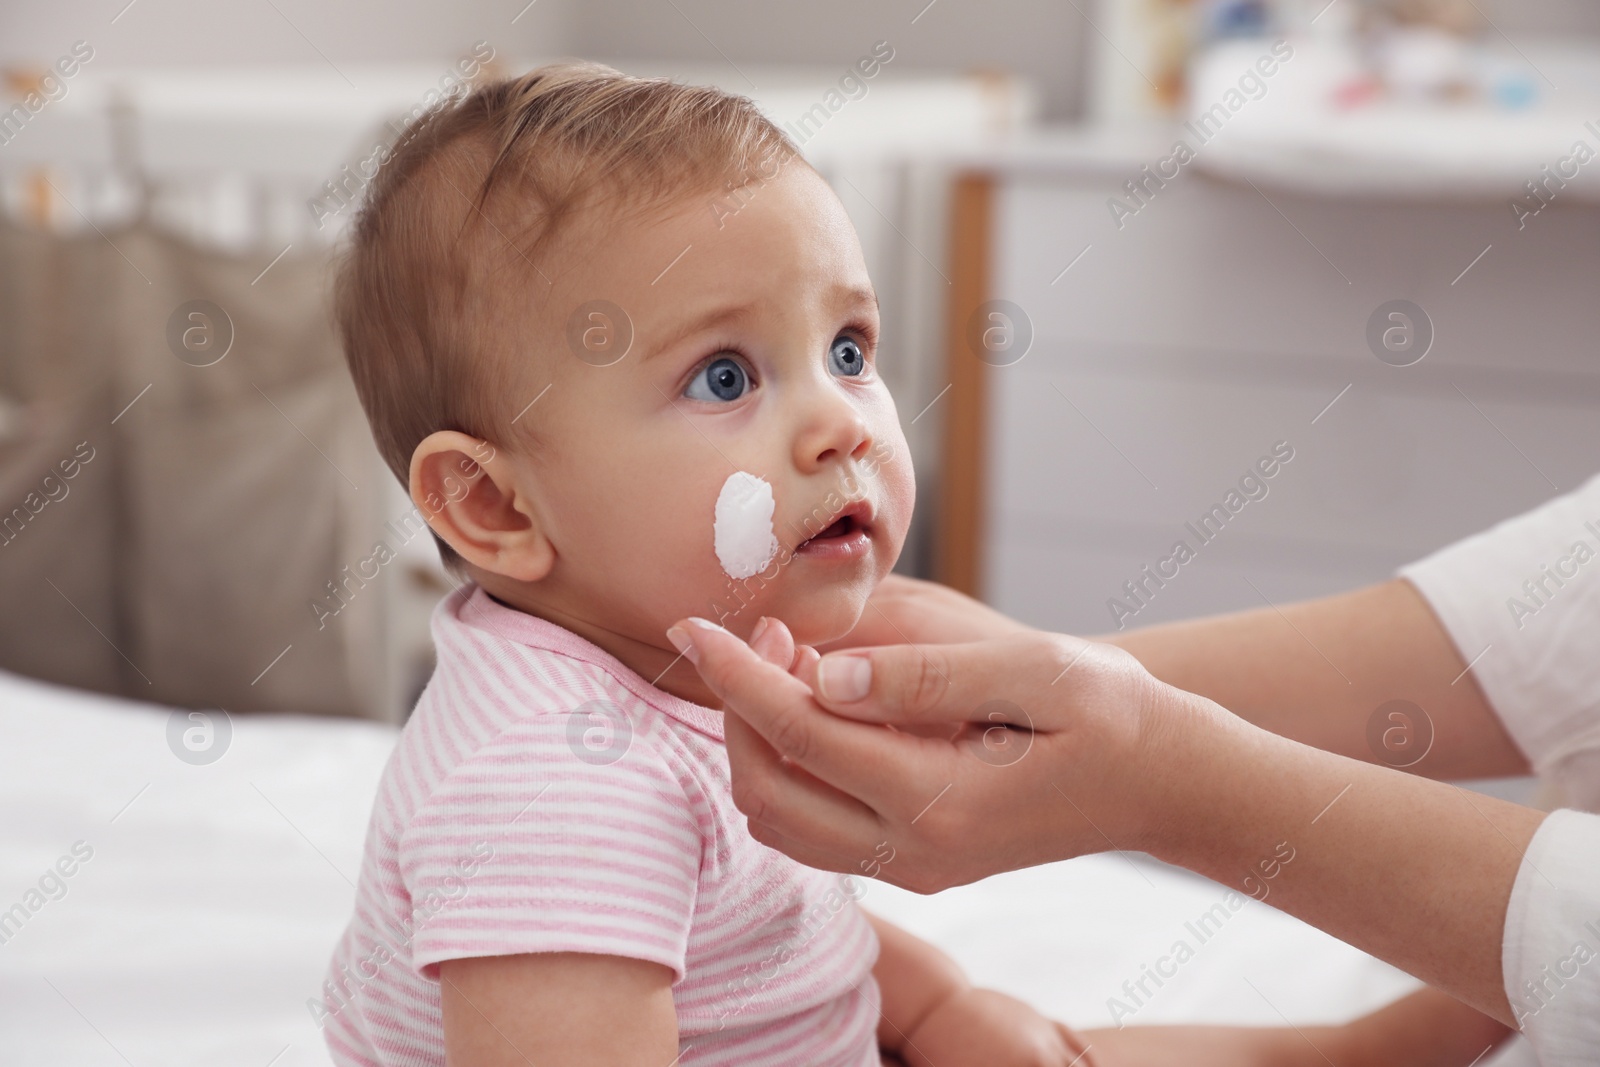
469	494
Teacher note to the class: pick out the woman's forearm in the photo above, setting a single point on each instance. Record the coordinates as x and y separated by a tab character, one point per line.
1416	872
1319	671
1413	871
1429	1028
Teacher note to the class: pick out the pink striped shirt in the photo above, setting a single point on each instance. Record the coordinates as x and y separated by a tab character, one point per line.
545	798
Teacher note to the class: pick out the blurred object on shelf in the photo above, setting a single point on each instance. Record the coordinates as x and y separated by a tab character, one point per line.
1434	50
1420	50
1139	63
1139	71
1417	98
1223	19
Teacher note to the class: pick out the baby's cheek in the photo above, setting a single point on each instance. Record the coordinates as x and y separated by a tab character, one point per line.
890	459
686	575
899	498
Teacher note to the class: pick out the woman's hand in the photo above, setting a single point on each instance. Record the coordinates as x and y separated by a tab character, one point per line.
1045	747
909	611
1042	747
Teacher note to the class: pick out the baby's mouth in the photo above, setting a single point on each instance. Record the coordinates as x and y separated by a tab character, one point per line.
843	526
847	535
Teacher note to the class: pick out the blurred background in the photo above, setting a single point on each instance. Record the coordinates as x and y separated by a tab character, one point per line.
1125	249
159	155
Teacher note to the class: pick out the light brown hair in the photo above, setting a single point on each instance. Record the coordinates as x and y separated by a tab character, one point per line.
448	256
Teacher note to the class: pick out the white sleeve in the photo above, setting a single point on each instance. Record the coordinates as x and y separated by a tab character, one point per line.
1551	956
1521	601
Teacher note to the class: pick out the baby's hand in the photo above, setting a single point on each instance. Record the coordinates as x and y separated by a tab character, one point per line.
773	642
983	1028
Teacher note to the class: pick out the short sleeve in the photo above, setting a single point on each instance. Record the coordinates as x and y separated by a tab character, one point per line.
1521	602
570	832
1552	941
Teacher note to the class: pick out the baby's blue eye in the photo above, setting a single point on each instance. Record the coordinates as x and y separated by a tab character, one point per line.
722	379
845	358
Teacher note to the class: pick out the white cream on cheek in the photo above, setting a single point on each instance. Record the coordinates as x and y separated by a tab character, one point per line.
742	531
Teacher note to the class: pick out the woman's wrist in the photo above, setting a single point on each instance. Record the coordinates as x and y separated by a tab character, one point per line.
1192	754
1352	848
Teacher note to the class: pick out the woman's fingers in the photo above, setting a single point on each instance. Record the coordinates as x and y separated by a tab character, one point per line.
908	610
784	800
871	864
942	683
1006	753
863	761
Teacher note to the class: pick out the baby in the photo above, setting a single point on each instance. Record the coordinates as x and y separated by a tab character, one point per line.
619	342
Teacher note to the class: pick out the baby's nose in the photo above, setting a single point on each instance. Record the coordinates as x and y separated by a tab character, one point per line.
834	430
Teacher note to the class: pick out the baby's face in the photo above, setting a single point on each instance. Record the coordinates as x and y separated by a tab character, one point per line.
754	348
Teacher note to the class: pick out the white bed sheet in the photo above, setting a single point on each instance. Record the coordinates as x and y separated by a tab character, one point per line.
200	927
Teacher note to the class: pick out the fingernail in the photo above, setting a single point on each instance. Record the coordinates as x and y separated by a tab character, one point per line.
844	678
760	628
704	624
683	643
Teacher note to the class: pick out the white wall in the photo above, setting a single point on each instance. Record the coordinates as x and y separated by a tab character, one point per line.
1042	39
201	33
1045	40
1185	346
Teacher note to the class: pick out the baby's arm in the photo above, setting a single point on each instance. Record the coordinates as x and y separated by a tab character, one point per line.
1427	1029
914	978
557	1008
932	1015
